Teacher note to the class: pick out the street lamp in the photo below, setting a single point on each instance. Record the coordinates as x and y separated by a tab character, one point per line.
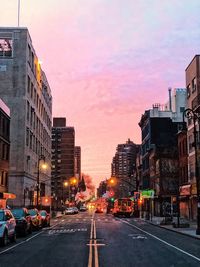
112	181
65	184
44	167
192	115
72	182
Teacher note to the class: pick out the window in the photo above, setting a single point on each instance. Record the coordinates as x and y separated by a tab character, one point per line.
194	85
32	90
27	111
27	136
191	143
1	177
6	179
28	85
31	140
6	47
182	109
188	91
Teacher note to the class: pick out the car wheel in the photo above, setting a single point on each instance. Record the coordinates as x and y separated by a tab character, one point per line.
14	237
4	239
30	229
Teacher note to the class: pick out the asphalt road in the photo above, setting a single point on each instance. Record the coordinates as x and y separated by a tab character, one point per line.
100	240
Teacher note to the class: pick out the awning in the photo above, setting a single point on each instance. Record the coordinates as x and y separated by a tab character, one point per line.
5	195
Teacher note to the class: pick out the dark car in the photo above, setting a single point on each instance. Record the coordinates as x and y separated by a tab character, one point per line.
45	218
23	221
36	219
83	208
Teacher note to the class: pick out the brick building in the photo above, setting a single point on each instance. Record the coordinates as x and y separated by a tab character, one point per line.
4	145
63	158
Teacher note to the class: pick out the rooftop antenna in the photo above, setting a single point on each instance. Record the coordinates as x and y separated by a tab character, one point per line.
18	13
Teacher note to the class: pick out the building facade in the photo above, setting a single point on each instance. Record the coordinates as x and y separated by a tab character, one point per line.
123	166
192	74
184	186
77	162
25	90
159	127
4	145
63	159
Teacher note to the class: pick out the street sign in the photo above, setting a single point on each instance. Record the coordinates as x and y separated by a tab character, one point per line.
147	194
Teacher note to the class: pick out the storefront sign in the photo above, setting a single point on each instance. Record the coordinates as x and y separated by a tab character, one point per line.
147	194
193	189
185	190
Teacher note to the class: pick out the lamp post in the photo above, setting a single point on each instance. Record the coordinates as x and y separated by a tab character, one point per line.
192	115
65	184
72	182
41	157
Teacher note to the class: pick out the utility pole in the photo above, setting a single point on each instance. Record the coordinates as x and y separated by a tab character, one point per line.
18	13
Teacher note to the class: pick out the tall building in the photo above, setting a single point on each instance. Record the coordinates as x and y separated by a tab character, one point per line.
4	145
25	90
122	167
77	162
192	73
63	151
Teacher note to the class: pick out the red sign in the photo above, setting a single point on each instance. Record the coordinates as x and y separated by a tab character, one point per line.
185	190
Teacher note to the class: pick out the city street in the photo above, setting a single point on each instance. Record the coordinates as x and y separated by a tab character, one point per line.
89	239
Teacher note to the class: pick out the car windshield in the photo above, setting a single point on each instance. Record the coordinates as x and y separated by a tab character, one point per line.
32	212
18	213
2	216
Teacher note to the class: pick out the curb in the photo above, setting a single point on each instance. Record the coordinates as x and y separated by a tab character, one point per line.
198	238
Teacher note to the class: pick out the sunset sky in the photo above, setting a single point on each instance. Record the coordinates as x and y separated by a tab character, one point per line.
107	61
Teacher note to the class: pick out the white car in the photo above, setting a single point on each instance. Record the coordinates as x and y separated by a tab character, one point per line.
7	227
69	211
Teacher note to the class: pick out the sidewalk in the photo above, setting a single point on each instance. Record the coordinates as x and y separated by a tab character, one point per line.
190	231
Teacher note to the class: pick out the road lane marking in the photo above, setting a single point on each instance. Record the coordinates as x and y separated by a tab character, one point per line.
22	242
90	250
161	240
98	245
34	236
96	260
26	240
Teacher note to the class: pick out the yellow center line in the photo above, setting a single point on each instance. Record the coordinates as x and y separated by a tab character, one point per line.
91	236
96	260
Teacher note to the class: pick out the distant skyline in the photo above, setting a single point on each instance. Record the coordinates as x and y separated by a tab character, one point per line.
108	61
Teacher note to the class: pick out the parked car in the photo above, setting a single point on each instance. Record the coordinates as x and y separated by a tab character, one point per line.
82	208
75	210
23	221
45	218
36	219
69	211
7	227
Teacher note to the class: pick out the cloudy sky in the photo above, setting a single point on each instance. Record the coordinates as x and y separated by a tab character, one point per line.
107	61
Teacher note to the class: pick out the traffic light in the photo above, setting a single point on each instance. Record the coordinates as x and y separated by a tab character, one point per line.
111	193
112	199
